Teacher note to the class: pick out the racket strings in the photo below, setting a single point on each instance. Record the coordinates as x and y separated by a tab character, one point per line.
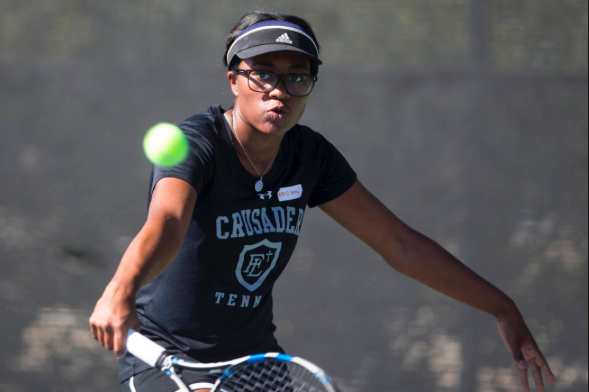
271	376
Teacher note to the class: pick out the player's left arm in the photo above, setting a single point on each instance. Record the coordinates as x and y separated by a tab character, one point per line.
420	258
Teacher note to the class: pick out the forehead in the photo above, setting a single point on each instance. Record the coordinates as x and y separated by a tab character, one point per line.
286	60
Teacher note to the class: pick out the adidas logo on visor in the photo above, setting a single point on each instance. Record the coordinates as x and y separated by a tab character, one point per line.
284	38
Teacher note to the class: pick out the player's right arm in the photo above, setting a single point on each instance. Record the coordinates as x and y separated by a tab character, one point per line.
149	254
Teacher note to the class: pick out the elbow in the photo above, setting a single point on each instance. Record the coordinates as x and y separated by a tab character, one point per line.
175	232
168	231
400	248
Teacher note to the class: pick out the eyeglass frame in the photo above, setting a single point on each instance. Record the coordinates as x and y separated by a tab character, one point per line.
279	77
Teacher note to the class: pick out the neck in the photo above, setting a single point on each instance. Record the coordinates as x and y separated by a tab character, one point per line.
259	147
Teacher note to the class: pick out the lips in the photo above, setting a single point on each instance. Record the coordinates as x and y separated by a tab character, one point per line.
279	110
277	114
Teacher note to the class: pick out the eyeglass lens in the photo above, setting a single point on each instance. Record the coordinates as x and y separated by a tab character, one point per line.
298	85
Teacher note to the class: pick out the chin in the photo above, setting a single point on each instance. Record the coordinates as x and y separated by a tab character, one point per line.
274	129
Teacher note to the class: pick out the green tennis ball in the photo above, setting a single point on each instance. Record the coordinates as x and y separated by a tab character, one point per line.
165	145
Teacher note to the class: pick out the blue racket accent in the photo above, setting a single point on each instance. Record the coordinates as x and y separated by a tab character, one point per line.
256	358
228	373
175	361
284	358
262	358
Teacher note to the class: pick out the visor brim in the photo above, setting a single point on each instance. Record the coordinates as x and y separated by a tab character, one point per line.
263	49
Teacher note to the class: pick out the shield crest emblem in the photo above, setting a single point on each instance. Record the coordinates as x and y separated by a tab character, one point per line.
256	262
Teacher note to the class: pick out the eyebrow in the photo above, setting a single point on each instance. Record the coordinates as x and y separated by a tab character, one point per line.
295	66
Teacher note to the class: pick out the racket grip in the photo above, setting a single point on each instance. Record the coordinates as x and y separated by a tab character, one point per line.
148	351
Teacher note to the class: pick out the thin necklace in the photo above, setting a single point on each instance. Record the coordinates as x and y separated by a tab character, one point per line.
260	183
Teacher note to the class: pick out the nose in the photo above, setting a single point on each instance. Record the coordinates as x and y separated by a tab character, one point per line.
280	91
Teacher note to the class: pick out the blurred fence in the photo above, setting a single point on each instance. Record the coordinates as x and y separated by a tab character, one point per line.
467	118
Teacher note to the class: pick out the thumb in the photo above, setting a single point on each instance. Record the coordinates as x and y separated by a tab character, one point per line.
516	351
121	336
519	359
513	344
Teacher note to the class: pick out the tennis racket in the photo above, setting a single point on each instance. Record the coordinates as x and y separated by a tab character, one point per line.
271	372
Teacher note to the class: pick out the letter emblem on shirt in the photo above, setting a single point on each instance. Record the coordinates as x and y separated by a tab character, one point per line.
256	262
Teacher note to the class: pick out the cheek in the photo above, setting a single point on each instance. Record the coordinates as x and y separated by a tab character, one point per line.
301	105
252	107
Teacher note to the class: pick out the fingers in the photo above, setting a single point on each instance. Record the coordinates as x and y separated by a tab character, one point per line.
100	336
525	351
113	335
538	365
537	373
523	376
544	367
93	330
108	337
113	314
103	334
522	366
519	359
120	335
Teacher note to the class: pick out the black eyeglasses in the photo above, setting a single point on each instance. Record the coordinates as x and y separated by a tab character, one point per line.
298	85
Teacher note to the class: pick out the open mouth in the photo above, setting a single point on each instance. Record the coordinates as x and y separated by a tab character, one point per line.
277	113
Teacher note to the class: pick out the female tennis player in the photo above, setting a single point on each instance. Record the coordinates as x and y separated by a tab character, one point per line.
221	227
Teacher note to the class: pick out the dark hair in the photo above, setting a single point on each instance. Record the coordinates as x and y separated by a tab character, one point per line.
254	17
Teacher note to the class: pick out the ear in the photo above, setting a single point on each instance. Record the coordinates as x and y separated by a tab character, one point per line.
233	83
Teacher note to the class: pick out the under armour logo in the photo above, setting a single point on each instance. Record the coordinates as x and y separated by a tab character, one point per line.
284	39
264	196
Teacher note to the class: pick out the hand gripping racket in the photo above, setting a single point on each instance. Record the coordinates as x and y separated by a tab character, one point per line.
271	372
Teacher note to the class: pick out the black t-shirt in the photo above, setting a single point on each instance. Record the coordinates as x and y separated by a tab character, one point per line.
214	302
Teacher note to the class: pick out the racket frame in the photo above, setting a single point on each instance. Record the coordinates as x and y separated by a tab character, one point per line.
157	357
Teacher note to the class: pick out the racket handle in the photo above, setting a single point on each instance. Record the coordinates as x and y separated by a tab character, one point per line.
149	352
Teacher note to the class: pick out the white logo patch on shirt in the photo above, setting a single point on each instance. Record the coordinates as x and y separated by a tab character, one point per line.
264	196
290	193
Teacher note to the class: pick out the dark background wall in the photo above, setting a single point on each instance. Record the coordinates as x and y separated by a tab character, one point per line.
467	118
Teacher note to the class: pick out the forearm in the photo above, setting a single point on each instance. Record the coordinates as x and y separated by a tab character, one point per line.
423	260
412	253
148	255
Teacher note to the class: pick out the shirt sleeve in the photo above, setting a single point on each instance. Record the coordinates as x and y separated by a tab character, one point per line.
336	175
198	168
